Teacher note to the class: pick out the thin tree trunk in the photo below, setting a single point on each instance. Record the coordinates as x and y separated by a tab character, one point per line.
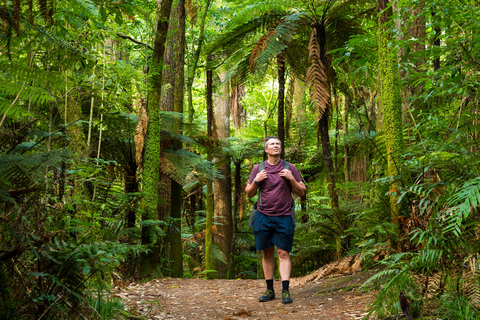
209	262
281	102
346	104
323	125
176	192
191	74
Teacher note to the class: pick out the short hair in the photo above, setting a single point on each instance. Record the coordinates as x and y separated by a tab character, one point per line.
271	137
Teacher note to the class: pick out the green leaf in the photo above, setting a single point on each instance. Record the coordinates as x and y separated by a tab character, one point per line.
86	270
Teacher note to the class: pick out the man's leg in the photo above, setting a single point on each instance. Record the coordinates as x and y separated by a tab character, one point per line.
285	267
268	264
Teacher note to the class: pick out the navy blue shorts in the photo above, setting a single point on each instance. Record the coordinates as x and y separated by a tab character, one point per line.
275	231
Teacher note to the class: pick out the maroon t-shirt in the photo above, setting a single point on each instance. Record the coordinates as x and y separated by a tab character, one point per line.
276	190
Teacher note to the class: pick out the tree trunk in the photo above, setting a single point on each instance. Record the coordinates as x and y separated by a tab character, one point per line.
151	159
223	186
7	302
191	74
281	101
209	262
176	190
323	125
346	104
391	102
237	112
131	186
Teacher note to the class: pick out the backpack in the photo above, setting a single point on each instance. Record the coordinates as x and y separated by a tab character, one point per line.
261	167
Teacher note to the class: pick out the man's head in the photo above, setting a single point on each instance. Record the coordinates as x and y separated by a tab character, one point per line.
273	145
270	138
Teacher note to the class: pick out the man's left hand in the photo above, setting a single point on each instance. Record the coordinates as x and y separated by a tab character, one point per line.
287	174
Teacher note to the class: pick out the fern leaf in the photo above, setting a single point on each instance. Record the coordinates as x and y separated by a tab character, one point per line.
90	7
54	39
236	36
259	48
317	77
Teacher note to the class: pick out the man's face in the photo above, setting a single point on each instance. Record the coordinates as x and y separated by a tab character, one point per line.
274	147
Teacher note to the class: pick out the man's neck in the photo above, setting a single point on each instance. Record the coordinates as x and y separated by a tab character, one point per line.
273	160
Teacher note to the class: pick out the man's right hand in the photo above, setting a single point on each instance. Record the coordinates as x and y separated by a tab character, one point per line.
262	175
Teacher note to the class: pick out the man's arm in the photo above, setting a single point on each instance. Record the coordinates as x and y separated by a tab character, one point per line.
251	190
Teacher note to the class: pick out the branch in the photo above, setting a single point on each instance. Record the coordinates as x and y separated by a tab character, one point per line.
16	192
133	40
468	53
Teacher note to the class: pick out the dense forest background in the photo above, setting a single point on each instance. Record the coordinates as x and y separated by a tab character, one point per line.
128	131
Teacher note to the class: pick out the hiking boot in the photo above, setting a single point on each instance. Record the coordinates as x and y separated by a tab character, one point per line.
286	297
267	296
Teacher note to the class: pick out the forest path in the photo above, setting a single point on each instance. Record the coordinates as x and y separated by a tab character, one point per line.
333	297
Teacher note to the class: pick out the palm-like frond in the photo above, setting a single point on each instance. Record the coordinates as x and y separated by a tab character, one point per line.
235	37
317	76
465	201
21	171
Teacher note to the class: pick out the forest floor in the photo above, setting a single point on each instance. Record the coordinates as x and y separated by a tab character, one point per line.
324	294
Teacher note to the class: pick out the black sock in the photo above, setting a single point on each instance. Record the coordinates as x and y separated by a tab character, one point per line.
285	285
269	284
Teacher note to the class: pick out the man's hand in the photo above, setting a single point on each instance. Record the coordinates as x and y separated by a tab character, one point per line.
287	174
262	175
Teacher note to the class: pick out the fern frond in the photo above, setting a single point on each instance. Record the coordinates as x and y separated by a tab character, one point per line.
259	48
233	38
191	8
90	7
291	24
317	77
274	48
19	171
464	201
54	39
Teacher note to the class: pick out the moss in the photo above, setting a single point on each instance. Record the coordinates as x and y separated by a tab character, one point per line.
391	102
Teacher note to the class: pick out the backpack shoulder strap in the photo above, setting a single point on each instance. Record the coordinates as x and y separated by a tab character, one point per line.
261	167
286	165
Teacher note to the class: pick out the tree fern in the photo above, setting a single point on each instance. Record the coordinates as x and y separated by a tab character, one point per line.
21	171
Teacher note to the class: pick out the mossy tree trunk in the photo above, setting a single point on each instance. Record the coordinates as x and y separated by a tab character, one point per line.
151	158
281	101
209	262
391	102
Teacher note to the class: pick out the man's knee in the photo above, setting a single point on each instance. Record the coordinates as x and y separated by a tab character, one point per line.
282	254
268	253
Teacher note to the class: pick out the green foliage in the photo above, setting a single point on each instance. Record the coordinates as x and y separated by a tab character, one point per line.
457	307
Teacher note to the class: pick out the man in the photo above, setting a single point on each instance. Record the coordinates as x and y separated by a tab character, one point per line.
273	225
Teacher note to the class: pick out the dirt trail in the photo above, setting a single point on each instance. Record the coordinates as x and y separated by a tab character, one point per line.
332	297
